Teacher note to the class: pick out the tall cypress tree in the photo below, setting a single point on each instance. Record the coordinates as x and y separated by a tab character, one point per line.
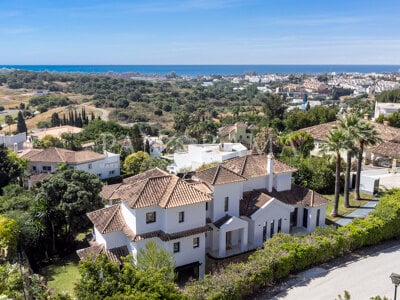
136	138
21	125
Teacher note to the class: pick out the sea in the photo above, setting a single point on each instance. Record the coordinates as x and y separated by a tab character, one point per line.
204	70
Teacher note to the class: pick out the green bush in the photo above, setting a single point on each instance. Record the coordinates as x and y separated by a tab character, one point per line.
284	253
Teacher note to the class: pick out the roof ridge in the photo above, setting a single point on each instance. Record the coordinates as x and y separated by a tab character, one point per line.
244	164
59	153
170	194
216	174
112	216
141	192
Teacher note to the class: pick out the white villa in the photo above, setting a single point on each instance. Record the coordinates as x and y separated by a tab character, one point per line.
14	141
200	154
223	211
105	165
385	109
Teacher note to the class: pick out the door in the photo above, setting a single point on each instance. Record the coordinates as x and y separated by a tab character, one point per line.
293	218
305	217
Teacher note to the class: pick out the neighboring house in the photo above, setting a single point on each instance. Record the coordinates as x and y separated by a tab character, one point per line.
47	160
223	210
156	146
14	141
237	133
154	206
385	109
320	133
200	154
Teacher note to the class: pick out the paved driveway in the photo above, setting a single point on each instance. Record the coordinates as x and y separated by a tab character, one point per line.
362	279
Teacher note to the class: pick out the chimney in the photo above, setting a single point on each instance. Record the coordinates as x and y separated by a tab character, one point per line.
270	171
312	199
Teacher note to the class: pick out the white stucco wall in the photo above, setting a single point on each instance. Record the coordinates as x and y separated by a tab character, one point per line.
194	216
283	182
187	253
312	211
129	216
273	210
235	193
255	183
114	239
142	226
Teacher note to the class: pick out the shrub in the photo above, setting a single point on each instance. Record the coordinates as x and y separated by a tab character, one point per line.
284	253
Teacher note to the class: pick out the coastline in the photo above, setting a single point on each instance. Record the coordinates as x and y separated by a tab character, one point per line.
206	70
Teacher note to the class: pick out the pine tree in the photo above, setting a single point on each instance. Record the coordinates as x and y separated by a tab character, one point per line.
21	126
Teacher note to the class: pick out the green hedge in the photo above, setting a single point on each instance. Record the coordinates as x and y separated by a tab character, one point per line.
284	253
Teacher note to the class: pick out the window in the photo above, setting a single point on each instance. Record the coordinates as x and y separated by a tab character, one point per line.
177	247
279	225
206	205
181	216
89	166
112	172
272	228
226	204
34	168
318	216
46	168
150	217
196	242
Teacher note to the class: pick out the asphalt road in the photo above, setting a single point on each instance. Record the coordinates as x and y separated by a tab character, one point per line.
364	278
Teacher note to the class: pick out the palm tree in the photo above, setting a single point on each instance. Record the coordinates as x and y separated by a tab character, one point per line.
337	141
350	125
366	136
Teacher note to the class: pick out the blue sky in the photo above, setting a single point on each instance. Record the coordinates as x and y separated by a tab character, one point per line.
200	32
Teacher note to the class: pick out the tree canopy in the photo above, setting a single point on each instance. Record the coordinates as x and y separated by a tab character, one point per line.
63	200
103	279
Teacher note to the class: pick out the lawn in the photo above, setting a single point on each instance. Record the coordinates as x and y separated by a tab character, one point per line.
354	204
62	275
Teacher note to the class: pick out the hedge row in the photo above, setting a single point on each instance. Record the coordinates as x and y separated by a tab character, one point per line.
284	253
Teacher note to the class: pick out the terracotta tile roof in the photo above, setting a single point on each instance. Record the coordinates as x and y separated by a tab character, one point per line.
252	201
226	129
156	172
59	155
222	221
298	195
108	219
113	254
108	190
39	177
320	132
202	187
388	149
155	187
219	175
251	166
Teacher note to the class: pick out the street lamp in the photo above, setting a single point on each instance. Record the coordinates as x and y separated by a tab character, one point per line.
396	281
